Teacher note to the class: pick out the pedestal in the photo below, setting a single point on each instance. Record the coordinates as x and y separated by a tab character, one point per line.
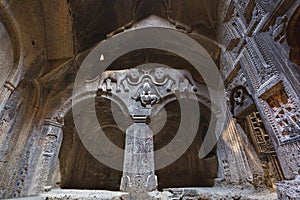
138	169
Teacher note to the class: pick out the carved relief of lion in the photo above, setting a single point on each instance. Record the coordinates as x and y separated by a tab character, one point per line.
175	76
119	77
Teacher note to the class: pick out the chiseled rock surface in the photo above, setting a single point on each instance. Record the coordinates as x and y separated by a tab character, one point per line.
289	189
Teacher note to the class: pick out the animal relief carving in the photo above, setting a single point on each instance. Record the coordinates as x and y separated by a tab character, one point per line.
120	77
176	76
172	79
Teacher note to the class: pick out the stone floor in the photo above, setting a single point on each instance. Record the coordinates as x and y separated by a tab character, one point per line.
217	193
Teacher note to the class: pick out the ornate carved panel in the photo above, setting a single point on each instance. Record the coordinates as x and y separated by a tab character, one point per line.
234	31
267	60
278	30
285	112
170	79
260	137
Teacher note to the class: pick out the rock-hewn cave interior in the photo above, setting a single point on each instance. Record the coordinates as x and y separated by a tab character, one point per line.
233	63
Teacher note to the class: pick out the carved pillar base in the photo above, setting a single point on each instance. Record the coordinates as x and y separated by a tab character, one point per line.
138	170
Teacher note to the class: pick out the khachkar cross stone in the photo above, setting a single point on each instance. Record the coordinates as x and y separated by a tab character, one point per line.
140	89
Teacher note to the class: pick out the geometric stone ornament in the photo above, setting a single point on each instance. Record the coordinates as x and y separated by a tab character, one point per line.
277	31
285	112
260	137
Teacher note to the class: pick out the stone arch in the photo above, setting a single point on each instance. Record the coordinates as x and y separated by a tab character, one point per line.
90	89
58	112
65	112
78	168
196	170
240	100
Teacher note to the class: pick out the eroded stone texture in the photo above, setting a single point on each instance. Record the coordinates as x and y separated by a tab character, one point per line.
6	54
289	189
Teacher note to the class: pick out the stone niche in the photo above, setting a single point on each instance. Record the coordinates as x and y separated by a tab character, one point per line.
188	170
78	168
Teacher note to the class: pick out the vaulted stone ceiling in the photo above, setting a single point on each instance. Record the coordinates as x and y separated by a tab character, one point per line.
57	30
94	19
92	22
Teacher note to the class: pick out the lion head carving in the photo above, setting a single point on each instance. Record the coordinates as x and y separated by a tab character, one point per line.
134	74
159	74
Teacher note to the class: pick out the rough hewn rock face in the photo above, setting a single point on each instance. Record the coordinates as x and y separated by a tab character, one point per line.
289	189
255	45
6	54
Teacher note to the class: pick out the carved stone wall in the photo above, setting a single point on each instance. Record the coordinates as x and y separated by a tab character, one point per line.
16	136
262	56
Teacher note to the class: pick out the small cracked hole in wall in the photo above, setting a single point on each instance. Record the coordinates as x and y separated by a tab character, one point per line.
33	42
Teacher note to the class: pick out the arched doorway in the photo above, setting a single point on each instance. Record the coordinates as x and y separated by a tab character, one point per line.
78	168
188	170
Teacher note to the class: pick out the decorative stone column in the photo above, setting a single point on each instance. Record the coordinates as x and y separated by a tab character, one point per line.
52	139
140	89
138	170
